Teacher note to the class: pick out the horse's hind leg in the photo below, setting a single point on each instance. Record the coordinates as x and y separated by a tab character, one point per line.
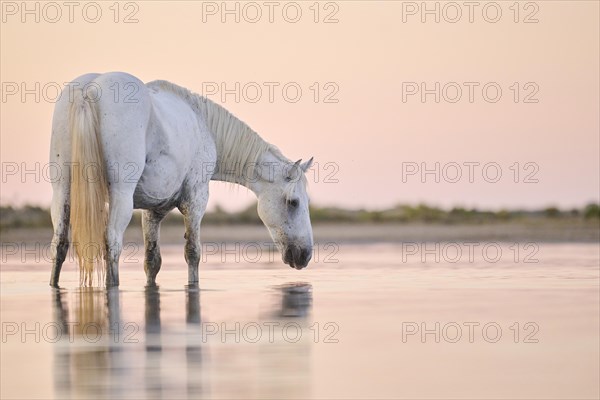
60	240
123	121
120	212
151	227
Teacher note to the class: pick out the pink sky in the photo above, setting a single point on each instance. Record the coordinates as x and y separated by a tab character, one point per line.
371	139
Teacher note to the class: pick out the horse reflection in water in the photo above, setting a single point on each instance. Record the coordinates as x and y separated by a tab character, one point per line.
156	368
101	356
296	300
84	367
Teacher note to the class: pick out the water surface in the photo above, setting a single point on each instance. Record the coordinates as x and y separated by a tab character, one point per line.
375	323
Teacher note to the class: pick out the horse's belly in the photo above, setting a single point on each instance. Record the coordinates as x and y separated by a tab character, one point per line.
168	161
155	187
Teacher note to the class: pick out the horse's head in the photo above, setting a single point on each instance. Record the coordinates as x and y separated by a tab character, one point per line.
283	208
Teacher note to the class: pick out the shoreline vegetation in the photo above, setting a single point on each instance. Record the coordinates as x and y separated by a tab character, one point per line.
38	217
398	224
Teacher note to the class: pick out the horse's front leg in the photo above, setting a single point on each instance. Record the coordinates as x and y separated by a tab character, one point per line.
193	211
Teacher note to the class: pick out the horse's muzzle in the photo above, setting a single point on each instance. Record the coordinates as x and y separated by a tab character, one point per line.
296	257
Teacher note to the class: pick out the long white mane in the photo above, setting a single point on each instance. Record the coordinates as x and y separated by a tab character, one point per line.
239	148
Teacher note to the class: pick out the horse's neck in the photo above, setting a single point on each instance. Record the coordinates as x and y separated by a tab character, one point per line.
267	168
243	157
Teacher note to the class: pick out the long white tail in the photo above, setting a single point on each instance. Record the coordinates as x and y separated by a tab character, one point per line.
89	190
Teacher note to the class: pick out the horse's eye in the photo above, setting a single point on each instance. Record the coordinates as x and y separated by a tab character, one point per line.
293	203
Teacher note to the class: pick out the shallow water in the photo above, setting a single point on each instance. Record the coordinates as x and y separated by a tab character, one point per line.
370	322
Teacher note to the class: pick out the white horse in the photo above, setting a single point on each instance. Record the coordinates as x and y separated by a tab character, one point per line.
126	144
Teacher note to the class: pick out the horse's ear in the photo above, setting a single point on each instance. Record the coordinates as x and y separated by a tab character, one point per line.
293	173
305	166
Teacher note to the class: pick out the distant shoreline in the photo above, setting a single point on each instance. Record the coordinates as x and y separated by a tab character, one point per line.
528	230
